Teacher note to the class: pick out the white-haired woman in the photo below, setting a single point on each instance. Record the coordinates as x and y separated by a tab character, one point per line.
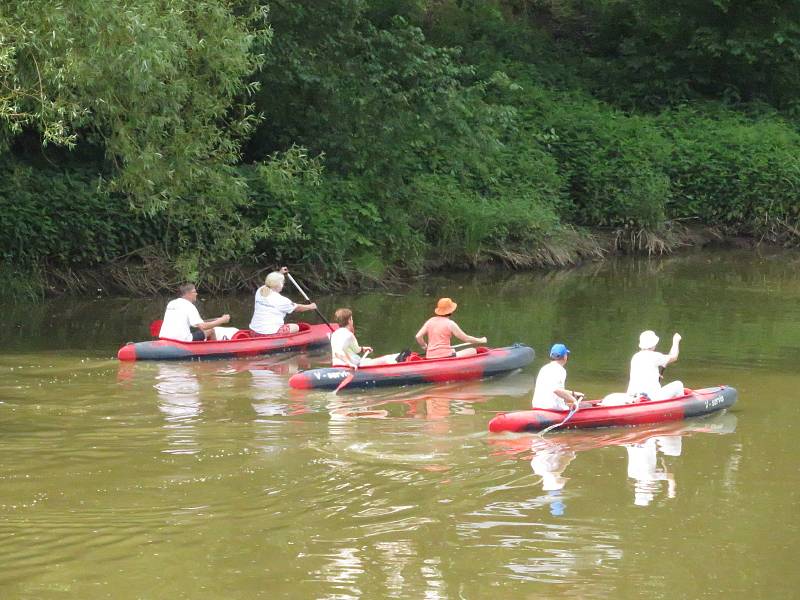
271	307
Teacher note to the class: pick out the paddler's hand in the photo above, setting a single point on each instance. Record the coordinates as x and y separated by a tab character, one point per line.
676	338
225	318
283	270
482	340
366	348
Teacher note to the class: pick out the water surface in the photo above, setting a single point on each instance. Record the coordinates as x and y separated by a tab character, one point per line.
215	480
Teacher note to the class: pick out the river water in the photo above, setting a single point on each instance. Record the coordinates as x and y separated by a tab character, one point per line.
215	480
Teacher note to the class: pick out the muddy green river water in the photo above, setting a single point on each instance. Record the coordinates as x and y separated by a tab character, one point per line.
216	480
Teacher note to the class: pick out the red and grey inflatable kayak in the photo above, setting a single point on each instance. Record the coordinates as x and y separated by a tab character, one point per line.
242	344
693	403
487	362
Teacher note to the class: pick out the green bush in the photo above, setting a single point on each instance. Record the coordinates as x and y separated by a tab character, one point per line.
613	163
66	218
740	173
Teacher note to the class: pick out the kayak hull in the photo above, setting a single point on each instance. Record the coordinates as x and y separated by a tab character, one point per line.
488	362
309	337
693	403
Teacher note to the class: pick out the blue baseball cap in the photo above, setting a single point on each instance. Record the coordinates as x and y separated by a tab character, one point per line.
558	351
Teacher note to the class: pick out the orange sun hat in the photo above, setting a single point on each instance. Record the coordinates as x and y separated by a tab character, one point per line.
445	306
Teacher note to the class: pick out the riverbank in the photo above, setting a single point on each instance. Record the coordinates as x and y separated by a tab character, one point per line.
146	273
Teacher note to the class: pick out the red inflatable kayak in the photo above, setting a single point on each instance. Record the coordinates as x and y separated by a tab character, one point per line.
487	362
242	344
693	403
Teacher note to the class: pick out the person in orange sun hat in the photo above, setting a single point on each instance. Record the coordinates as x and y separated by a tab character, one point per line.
439	330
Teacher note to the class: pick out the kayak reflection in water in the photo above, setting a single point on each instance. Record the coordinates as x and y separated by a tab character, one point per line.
643	467
440	328
549	461
345	349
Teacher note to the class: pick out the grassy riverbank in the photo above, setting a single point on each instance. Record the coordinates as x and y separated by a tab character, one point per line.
142	275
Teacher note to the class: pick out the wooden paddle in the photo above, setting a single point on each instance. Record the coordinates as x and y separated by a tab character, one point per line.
346	381
302	293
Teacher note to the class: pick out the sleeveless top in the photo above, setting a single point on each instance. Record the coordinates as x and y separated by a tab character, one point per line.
439	332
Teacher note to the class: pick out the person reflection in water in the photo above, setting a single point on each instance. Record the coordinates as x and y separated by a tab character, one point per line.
549	461
643	467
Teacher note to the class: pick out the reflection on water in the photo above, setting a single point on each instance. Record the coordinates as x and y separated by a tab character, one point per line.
644	468
426	402
269	380
550	460
178	391
646	448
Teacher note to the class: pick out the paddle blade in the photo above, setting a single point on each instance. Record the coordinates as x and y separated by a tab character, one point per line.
155	327
345	382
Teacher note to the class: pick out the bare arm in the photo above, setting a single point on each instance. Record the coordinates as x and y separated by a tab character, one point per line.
463	336
675	350
305	307
211	323
343	358
569	396
420	337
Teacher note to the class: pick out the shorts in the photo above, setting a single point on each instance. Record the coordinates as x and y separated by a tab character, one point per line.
282	330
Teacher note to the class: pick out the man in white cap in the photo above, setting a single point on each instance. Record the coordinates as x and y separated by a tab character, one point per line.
645	364
550	391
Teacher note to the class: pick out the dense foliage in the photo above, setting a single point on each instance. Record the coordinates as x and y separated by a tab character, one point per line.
361	139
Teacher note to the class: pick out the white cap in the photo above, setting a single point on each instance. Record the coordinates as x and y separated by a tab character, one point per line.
648	339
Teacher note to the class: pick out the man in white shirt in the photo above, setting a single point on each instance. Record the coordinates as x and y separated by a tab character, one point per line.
182	315
550	392
645	364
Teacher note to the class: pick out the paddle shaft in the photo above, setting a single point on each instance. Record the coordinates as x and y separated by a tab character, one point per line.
572	411
462	345
346	381
302	293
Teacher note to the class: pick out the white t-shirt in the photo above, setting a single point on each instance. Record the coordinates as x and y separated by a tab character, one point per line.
178	317
551	377
270	311
343	341
644	372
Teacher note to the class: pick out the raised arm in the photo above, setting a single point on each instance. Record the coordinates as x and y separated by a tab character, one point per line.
675	350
